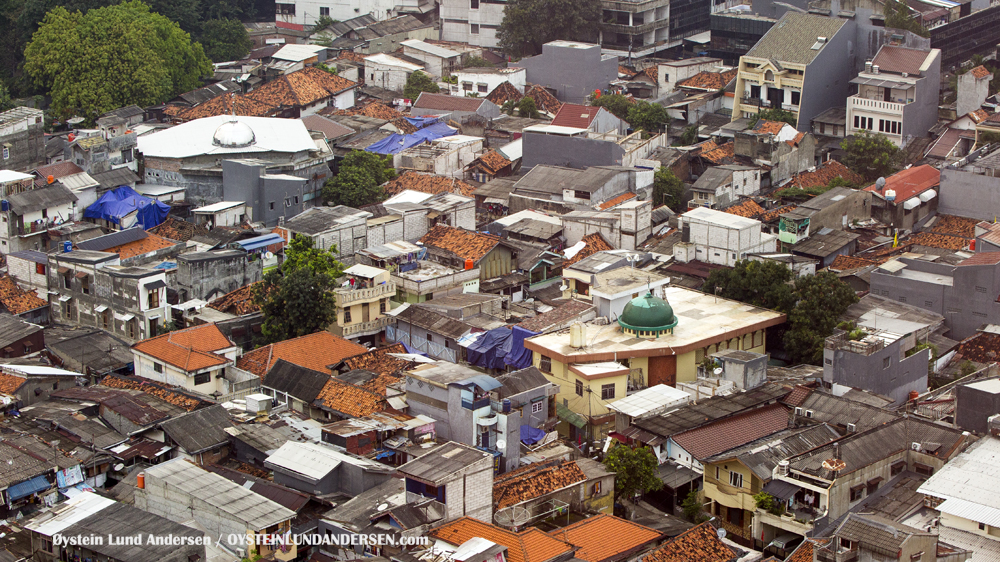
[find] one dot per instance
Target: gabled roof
(558, 316)
(897, 60)
(465, 244)
(348, 399)
(330, 129)
(701, 544)
(792, 38)
(716, 153)
(910, 182)
(983, 347)
(442, 102)
(708, 80)
(979, 72)
(379, 361)
(824, 175)
(314, 351)
(301, 88)
(593, 243)
(544, 101)
(190, 349)
(491, 161)
(238, 302)
(748, 209)
(179, 399)
(199, 430)
(981, 258)
(52, 195)
(17, 300)
(141, 247)
(575, 115)
(530, 545)
(296, 381)
(606, 537)
(532, 482)
(725, 434)
(427, 183)
(616, 201)
(876, 534)
(224, 105)
(503, 93)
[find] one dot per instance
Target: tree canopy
(617, 104)
(773, 114)
(527, 108)
(419, 82)
(359, 181)
(297, 299)
(872, 155)
(635, 470)
(112, 57)
(529, 24)
(763, 283)
(647, 116)
(225, 40)
(668, 190)
(898, 16)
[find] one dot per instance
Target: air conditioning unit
(809, 413)
(240, 553)
(798, 411)
(851, 428)
(915, 446)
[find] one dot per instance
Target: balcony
(362, 328)
(346, 297)
(800, 523)
(483, 402)
(893, 108)
(37, 227)
(638, 29)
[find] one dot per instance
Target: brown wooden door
(663, 370)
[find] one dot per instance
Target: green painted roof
(647, 312)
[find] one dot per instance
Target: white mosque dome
(234, 134)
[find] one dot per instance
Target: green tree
(419, 82)
(635, 471)
(508, 107)
(529, 24)
(647, 116)
(688, 137)
(359, 181)
(526, 108)
(323, 22)
(765, 284)
(898, 16)
(477, 62)
(225, 40)
(822, 299)
(186, 13)
(5, 101)
(773, 114)
(112, 57)
(691, 506)
(297, 299)
(617, 104)
(872, 155)
(668, 190)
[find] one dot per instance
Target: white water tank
(576, 335)
(890, 195)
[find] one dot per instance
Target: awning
(928, 195)
(780, 489)
(911, 203)
(64, 298)
(80, 275)
(674, 475)
(100, 308)
(158, 284)
(25, 489)
(125, 317)
(570, 417)
(484, 382)
(880, 83)
(497, 200)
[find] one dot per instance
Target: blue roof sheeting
(397, 143)
(28, 487)
(484, 382)
(259, 242)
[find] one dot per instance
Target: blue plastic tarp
(489, 350)
(519, 357)
(119, 202)
(421, 122)
(414, 351)
(25, 489)
(531, 435)
(397, 143)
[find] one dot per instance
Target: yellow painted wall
(687, 366)
(723, 493)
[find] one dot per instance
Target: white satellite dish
(268, 255)
(718, 370)
(721, 532)
(119, 466)
(564, 287)
(382, 506)
(501, 444)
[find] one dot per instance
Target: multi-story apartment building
(22, 138)
(361, 306)
(897, 94)
(802, 65)
(471, 21)
(28, 212)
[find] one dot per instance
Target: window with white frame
(736, 479)
(538, 406)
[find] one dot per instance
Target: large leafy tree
(225, 40)
(360, 180)
(668, 190)
(297, 299)
(764, 284)
(872, 155)
(647, 116)
(617, 104)
(112, 57)
(635, 471)
(419, 82)
(822, 298)
(899, 16)
(773, 114)
(529, 24)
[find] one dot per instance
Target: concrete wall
(26, 138)
(967, 194)
(270, 196)
(347, 478)
(826, 82)
(385, 76)
(573, 72)
(27, 276)
(347, 239)
(207, 279)
(922, 114)
(569, 152)
(468, 493)
(869, 372)
(973, 407)
(457, 19)
(430, 400)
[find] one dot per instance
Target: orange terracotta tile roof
(351, 56)
(147, 245)
(980, 72)
(798, 395)
(727, 433)
(847, 263)
(223, 105)
(190, 349)
(375, 109)
(981, 258)
(465, 244)
(824, 175)
(708, 80)
(979, 115)
(491, 162)
(177, 229)
(798, 138)
(719, 154)
(605, 537)
(427, 183)
(804, 553)
(701, 544)
(503, 93)
(616, 201)
(593, 243)
(650, 72)
(379, 361)
(764, 126)
(404, 126)
(178, 399)
(10, 383)
(349, 399)
(956, 226)
(910, 182)
(749, 209)
(983, 347)
(15, 299)
(531, 482)
(238, 302)
(301, 88)
(938, 241)
(774, 214)
(544, 101)
(628, 72)
(380, 383)
(529, 545)
(315, 351)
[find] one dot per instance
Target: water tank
(469, 264)
(914, 395)
(140, 481)
(972, 245)
(783, 468)
(51, 179)
(4, 206)
(67, 246)
(506, 405)
(575, 341)
(890, 195)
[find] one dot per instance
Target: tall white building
(306, 12)
(718, 237)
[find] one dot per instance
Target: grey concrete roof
(442, 462)
(117, 238)
(762, 455)
(321, 219)
(298, 382)
(792, 38)
(823, 244)
(41, 198)
(706, 411)
(521, 381)
(114, 178)
(875, 533)
(259, 436)
(553, 179)
(713, 178)
(13, 329)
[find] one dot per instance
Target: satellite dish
(718, 370)
(268, 255)
(119, 467)
(879, 184)
(721, 532)
(501, 444)
(564, 287)
(382, 506)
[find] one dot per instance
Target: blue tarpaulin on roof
(398, 143)
(519, 357)
(25, 489)
(116, 204)
(489, 350)
(414, 350)
(421, 122)
(531, 435)
(259, 242)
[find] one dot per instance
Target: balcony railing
(877, 105)
(476, 404)
(425, 286)
(29, 228)
(348, 296)
(363, 328)
(867, 346)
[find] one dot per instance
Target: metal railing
(348, 296)
(363, 328)
(880, 105)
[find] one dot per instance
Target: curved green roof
(647, 313)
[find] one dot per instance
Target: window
(132, 328)
(473, 4)
(66, 281)
(607, 392)
(537, 406)
(474, 29)
(105, 319)
(736, 479)
(154, 298)
(886, 362)
(483, 88)
(923, 469)
(822, 128)
(873, 485)
(285, 9)
(347, 320)
(430, 338)
(324, 11)
(85, 284)
(828, 361)
(846, 544)
(857, 492)
(46, 543)
(980, 289)
(40, 268)
(6, 153)
(27, 349)
(928, 303)
(296, 199)
(158, 367)
(579, 388)
(381, 306)
(796, 97)
(203, 378)
(897, 467)
(467, 86)
(716, 473)
(68, 309)
(545, 364)
(982, 526)
(597, 488)
(734, 516)
(270, 205)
